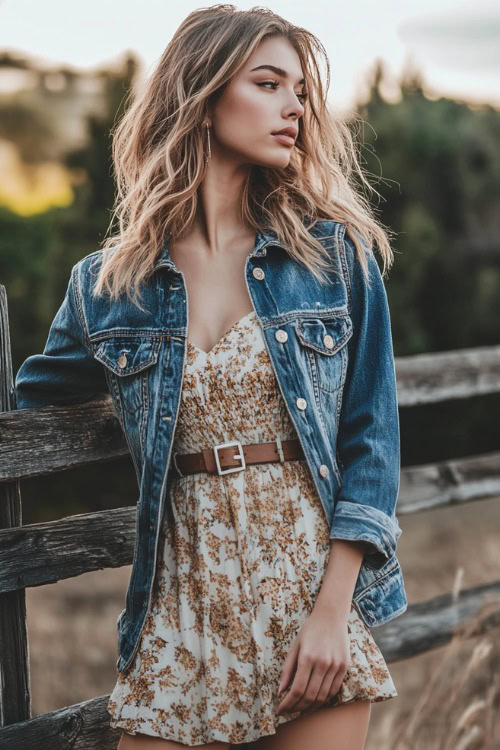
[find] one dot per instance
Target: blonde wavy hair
(158, 151)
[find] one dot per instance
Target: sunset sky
(456, 45)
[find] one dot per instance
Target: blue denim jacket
(342, 399)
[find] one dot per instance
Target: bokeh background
(424, 78)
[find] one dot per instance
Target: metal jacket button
(281, 335)
(328, 341)
(258, 273)
(122, 361)
(323, 470)
(301, 403)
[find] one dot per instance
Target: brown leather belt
(227, 458)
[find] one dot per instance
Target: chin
(278, 161)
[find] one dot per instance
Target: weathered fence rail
(35, 442)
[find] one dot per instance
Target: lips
(290, 132)
(285, 139)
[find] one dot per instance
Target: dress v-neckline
(230, 330)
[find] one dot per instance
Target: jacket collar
(262, 241)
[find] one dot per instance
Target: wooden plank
(83, 726)
(34, 442)
(42, 553)
(450, 482)
(432, 623)
(15, 695)
(438, 376)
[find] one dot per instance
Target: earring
(209, 154)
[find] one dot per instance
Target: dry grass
(456, 707)
(448, 698)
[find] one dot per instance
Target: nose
(295, 109)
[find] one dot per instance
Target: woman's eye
(268, 83)
(275, 84)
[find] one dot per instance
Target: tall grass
(458, 706)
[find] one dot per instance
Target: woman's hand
(317, 662)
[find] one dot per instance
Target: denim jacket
(335, 370)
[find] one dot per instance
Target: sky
(454, 44)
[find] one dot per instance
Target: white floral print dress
(240, 561)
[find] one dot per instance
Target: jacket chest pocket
(130, 361)
(324, 342)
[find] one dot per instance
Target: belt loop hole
(280, 448)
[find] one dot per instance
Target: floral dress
(240, 562)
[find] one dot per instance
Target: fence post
(15, 694)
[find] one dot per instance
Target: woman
(265, 433)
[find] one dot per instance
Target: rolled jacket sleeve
(66, 372)
(368, 440)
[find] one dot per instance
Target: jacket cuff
(358, 522)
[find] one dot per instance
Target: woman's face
(257, 103)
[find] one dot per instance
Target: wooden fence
(41, 553)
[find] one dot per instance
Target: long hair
(159, 149)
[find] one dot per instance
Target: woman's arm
(368, 441)
(66, 372)
(337, 587)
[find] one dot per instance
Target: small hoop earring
(209, 154)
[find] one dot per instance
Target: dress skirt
(241, 558)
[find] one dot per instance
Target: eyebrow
(278, 71)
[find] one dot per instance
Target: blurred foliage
(436, 166)
(38, 252)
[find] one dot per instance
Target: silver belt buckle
(238, 455)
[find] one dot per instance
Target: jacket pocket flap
(128, 356)
(325, 336)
